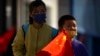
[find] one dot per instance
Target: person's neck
(37, 25)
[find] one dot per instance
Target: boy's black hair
(33, 5)
(64, 18)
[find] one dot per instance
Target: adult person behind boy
(38, 34)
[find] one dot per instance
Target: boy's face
(71, 27)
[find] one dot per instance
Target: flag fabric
(5, 39)
(60, 46)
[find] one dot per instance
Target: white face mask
(72, 33)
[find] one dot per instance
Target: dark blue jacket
(79, 48)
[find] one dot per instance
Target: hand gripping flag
(60, 46)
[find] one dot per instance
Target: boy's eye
(70, 26)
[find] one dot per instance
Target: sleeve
(18, 44)
(83, 50)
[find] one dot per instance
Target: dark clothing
(79, 48)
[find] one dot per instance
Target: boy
(69, 24)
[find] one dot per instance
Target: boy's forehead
(70, 21)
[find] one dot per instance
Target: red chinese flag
(60, 46)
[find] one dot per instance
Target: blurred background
(14, 13)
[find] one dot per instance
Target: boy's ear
(62, 29)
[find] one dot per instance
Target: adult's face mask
(39, 18)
